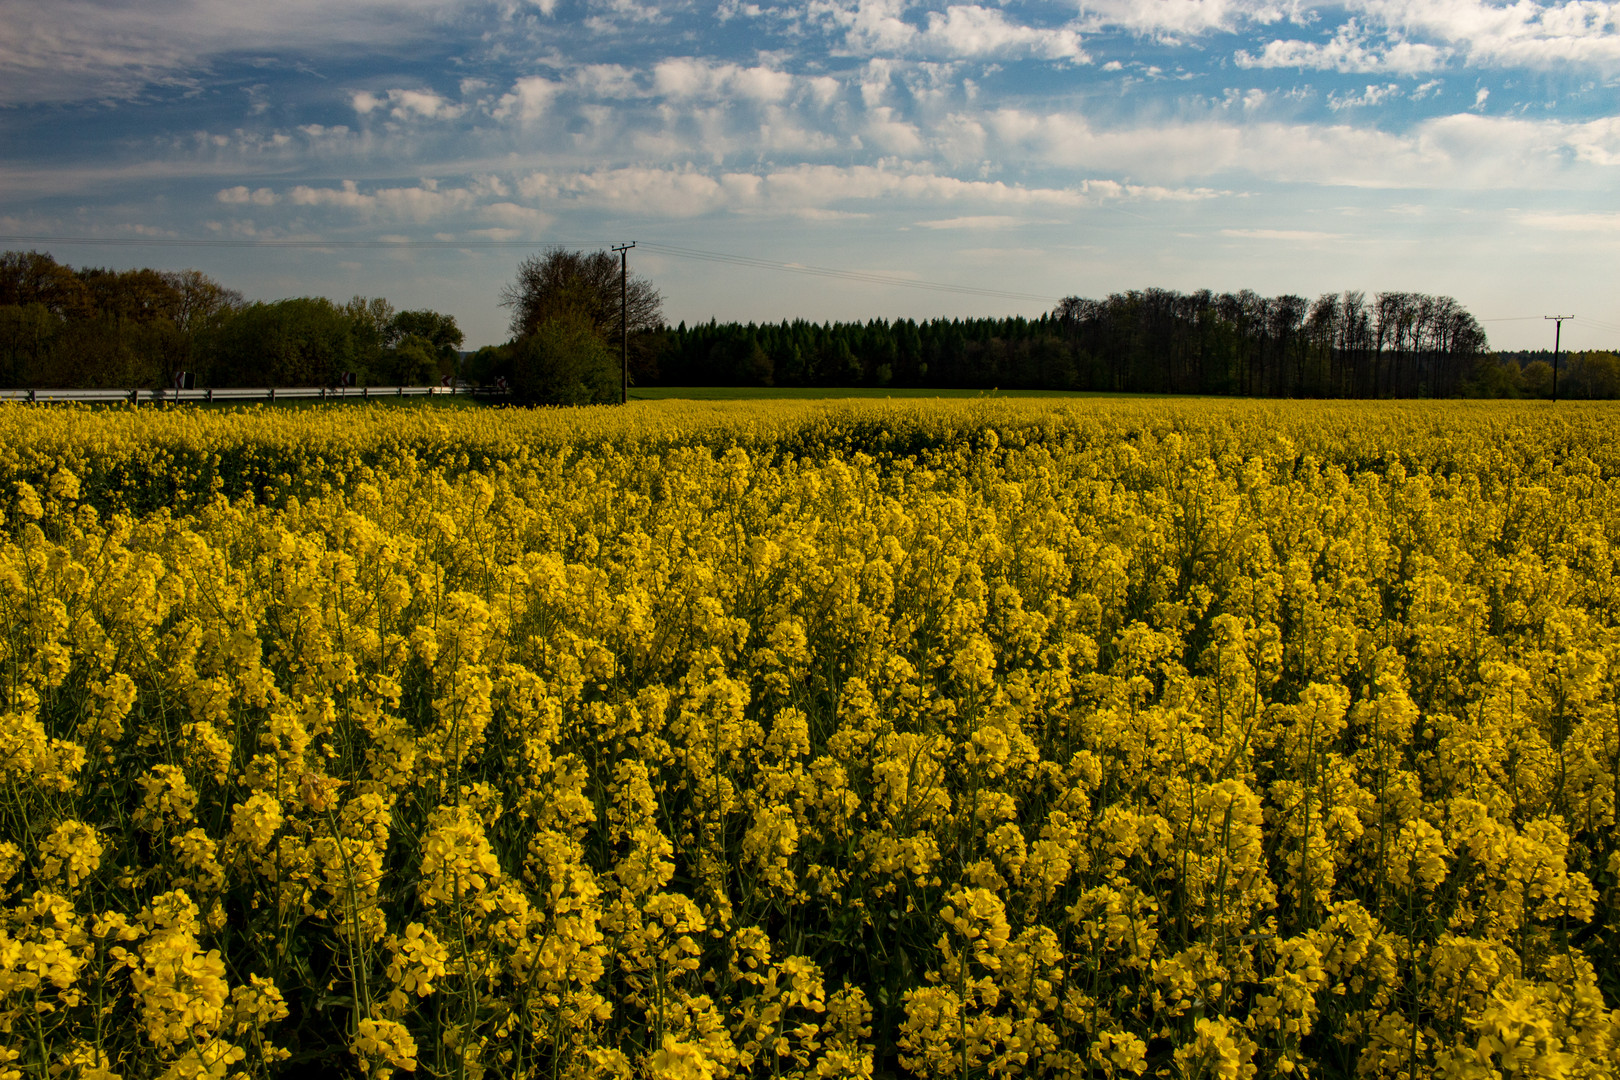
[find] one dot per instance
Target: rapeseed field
(962, 739)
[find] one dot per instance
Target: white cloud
(688, 192)
(424, 104)
(348, 195)
(1002, 255)
(834, 183)
(979, 221)
(86, 50)
(1348, 51)
(607, 15)
(875, 81)
(869, 25)
(1175, 150)
(1413, 58)
(1511, 152)
(1176, 20)
(970, 30)
(320, 132)
(1247, 100)
(1461, 150)
(241, 195)
(824, 89)
(1522, 32)
(407, 105)
(760, 84)
(730, 9)
(423, 203)
(1397, 37)
(780, 132)
(1370, 96)
(891, 134)
(963, 30)
(638, 190)
(686, 77)
(135, 228)
(822, 214)
(1290, 235)
(1606, 222)
(613, 81)
(528, 100)
(1596, 142)
(513, 214)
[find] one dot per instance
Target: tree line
(92, 327)
(1590, 373)
(1396, 344)
(566, 333)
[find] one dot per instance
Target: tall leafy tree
(564, 362)
(569, 310)
(582, 285)
(34, 277)
(437, 333)
(304, 341)
(97, 327)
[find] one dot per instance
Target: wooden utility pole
(624, 318)
(1558, 329)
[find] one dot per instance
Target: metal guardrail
(232, 394)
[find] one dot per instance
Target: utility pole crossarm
(1558, 331)
(624, 319)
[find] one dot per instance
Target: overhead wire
(865, 276)
(1573, 320)
(157, 241)
(677, 251)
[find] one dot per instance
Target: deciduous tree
(560, 282)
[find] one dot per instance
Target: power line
(863, 276)
(1558, 328)
(624, 317)
(154, 241)
(846, 275)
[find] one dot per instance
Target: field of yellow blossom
(1041, 738)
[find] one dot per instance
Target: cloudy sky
(1017, 151)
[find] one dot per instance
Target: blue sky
(1030, 150)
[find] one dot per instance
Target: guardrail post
(134, 397)
(31, 398)
(210, 395)
(401, 391)
(365, 391)
(272, 395)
